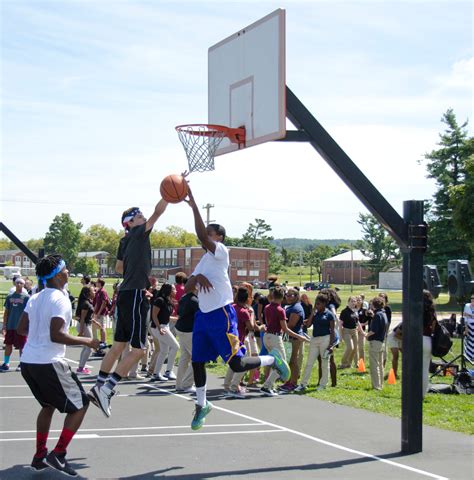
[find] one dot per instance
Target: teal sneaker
(200, 415)
(280, 365)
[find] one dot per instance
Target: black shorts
(55, 385)
(132, 310)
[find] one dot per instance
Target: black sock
(101, 378)
(112, 381)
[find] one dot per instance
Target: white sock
(267, 360)
(201, 395)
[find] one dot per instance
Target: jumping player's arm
(59, 336)
(159, 210)
(199, 226)
(23, 325)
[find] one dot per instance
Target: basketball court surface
(292, 436)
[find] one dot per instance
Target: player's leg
(202, 351)
(8, 351)
(58, 387)
(131, 327)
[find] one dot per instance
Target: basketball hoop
(200, 142)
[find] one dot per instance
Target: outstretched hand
(190, 200)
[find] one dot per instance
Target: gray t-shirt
(135, 252)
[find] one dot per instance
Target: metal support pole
(18, 243)
(412, 358)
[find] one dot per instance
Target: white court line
(144, 428)
(99, 437)
(31, 397)
(316, 439)
(77, 363)
(14, 386)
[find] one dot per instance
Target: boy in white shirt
(215, 325)
(46, 320)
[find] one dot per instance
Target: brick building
(16, 258)
(246, 264)
(346, 266)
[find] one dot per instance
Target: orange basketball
(174, 188)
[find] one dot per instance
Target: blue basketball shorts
(215, 334)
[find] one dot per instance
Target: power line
(231, 207)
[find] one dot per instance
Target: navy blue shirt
(298, 309)
(379, 326)
(321, 322)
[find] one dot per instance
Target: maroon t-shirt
(101, 297)
(274, 314)
(243, 316)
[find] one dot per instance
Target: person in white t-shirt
(215, 325)
(46, 320)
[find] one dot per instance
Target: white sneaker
(300, 388)
(102, 397)
(235, 394)
(136, 377)
(191, 389)
(170, 375)
(157, 377)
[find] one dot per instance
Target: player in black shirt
(134, 262)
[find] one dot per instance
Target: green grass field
(450, 412)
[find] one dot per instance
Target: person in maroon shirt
(180, 281)
(275, 317)
(101, 310)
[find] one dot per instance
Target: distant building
(391, 279)
(346, 266)
(101, 258)
(15, 258)
(246, 264)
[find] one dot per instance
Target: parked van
(10, 272)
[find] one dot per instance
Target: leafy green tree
(462, 202)
(86, 266)
(447, 166)
(63, 237)
(5, 244)
(256, 234)
(173, 236)
(378, 245)
(34, 244)
(99, 238)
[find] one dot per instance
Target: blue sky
(92, 90)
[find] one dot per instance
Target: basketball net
(200, 142)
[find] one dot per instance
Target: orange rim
(235, 135)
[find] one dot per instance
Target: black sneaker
(59, 462)
(39, 463)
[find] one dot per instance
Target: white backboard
(246, 82)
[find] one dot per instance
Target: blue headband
(60, 266)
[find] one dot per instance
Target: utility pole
(208, 215)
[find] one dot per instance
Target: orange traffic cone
(361, 366)
(391, 377)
